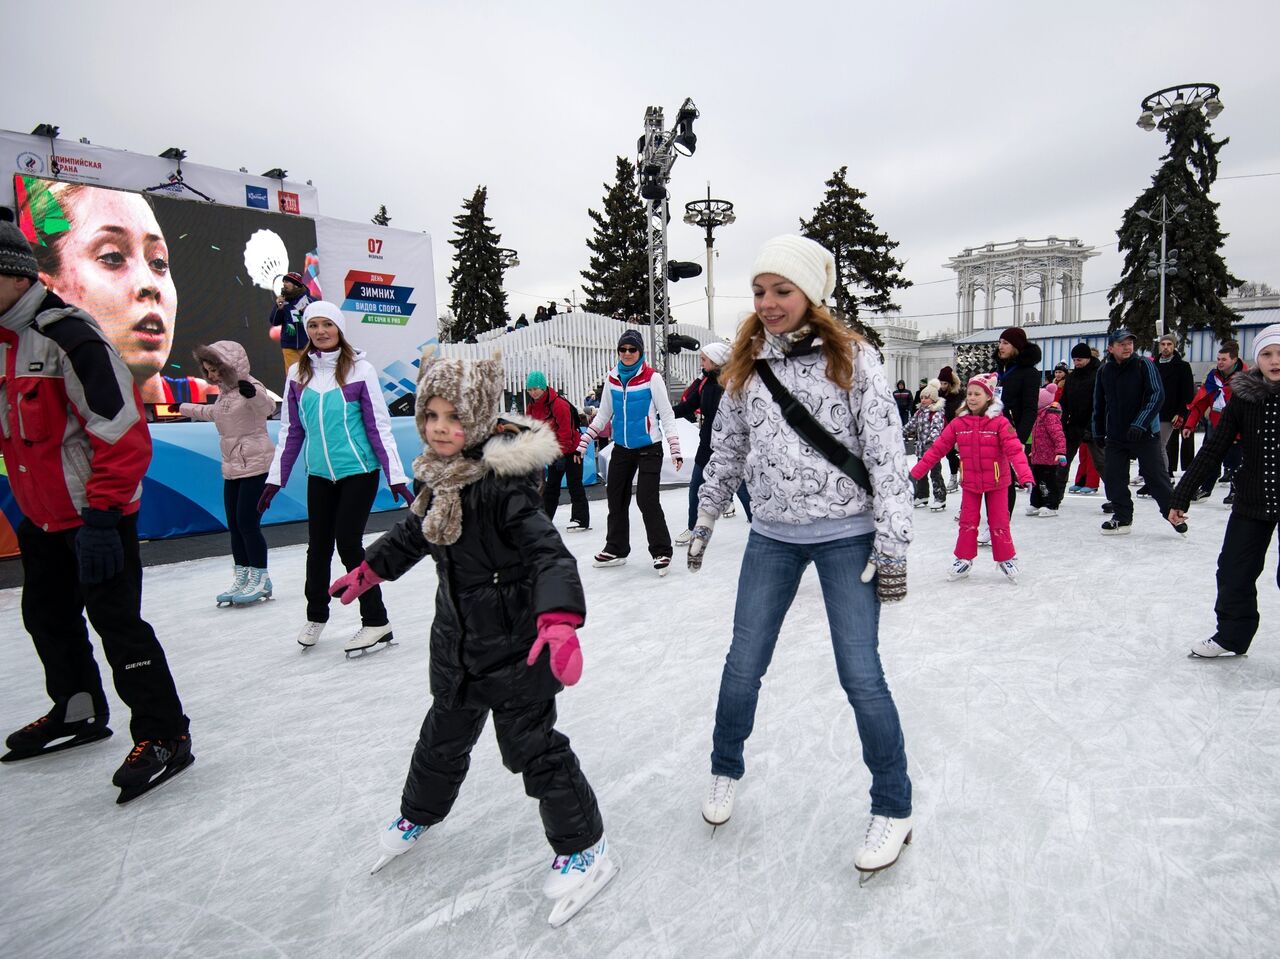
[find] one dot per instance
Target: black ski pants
(624, 466)
(1244, 552)
(1115, 477)
(1050, 484)
(244, 522)
(530, 745)
(934, 476)
(54, 604)
(336, 513)
(566, 467)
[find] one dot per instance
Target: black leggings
(240, 500)
(337, 512)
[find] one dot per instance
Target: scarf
(628, 370)
(786, 343)
(440, 501)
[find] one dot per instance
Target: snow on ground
(1082, 788)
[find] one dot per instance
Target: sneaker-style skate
(1032, 511)
(603, 559)
(1108, 508)
(396, 840)
(576, 527)
(1209, 649)
(882, 845)
(367, 637)
(1048, 511)
(47, 735)
(1200, 494)
(662, 564)
(960, 569)
(257, 587)
(683, 538)
(1010, 569)
(718, 806)
(150, 763)
(1230, 498)
(1075, 488)
(1114, 527)
(310, 634)
(577, 879)
(237, 584)
(1089, 490)
(1144, 491)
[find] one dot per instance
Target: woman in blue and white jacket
(334, 414)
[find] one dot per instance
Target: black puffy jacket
(1077, 398)
(1020, 390)
(508, 566)
(704, 395)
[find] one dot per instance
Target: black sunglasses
(628, 349)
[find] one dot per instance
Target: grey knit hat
(16, 258)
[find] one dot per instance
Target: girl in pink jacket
(989, 456)
(240, 414)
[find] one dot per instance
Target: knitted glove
(1137, 434)
(402, 491)
(268, 494)
(890, 574)
(559, 631)
(360, 580)
(247, 389)
(698, 542)
(98, 548)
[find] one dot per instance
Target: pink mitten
(360, 580)
(558, 630)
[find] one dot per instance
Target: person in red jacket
(76, 447)
(549, 406)
(990, 453)
(1212, 398)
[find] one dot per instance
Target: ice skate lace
(138, 749)
(35, 725)
(877, 832)
(721, 790)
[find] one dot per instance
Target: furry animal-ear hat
(473, 386)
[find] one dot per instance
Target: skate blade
(17, 756)
(130, 793)
(381, 644)
(382, 861)
(574, 902)
(252, 602)
(1207, 659)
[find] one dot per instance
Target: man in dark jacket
(1179, 387)
(76, 447)
(1126, 411)
(1077, 406)
(553, 409)
(287, 314)
(1018, 387)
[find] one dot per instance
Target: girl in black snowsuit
(507, 588)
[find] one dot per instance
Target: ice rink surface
(1082, 788)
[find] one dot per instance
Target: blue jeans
(695, 484)
(770, 576)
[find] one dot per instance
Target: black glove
(247, 389)
(98, 547)
(1137, 434)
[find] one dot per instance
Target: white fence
(575, 351)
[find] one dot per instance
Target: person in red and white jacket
(550, 407)
(1211, 399)
(76, 447)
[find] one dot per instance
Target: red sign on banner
(289, 203)
(360, 276)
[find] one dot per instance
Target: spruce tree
(381, 218)
(866, 271)
(478, 302)
(1193, 296)
(618, 273)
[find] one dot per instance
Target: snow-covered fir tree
(478, 302)
(618, 271)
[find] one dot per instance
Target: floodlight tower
(657, 150)
(709, 214)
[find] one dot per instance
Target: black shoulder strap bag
(811, 431)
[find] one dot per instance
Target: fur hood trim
(228, 358)
(524, 446)
(1252, 388)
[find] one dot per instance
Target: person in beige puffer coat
(240, 414)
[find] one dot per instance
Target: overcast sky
(964, 123)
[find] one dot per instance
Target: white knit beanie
(717, 352)
(807, 264)
(1270, 336)
(329, 311)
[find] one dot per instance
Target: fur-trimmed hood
(523, 446)
(1252, 387)
(228, 358)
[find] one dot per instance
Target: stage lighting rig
(276, 173)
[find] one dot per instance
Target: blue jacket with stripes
(1127, 394)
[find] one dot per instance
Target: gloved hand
(1137, 434)
(98, 548)
(174, 409)
(1062, 460)
(247, 389)
(268, 494)
(402, 491)
(558, 630)
(699, 540)
(890, 574)
(349, 587)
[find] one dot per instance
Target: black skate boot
(54, 732)
(150, 763)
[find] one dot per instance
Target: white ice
(1082, 788)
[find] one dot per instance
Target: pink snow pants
(997, 520)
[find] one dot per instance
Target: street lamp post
(1167, 265)
(709, 214)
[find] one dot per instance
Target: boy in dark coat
(507, 589)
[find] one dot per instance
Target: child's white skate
(959, 569)
(396, 840)
(577, 879)
(367, 638)
(1010, 568)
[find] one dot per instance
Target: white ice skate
(1010, 569)
(576, 527)
(603, 559)
(310, 634)
(718, 806)
(367, 637)
(882, 845)
(984, 535)
(396, 840)
(237, 584)
(1209, 649)
(1032, 511)
(937, 507)
(256, 587)
(577, 879)
(960, 569)
(1048, 511)
(953, 485)
(921, 501)
(683, 538)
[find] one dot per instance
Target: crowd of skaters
(487, 526)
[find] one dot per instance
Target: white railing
(575, 351)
